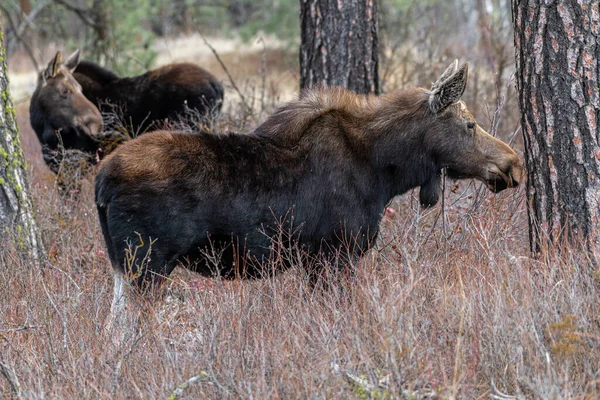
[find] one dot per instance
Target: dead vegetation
(449, 305)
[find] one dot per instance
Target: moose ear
(450, 90)
(73, 60)
(449, 71)
(53, 67)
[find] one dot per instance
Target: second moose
(64, 107)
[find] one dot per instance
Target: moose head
(459, 144)
(60, 113)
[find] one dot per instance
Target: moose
(161, 94)
(325, 165)
(64, 109)
(60, 115)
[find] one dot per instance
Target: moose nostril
(93, 124)
(515, 175)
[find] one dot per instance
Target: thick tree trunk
(339, 44)
(557, 45)
(16, 216)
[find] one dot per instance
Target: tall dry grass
(448, 305)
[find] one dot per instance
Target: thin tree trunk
(339, 44)
(25, 6)
(16, 215)
(557, 45)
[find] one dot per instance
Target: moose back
(64, 107)
(317, 175)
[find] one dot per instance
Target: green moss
(12, 160)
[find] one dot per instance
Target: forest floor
(450, 304)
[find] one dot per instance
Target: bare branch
(28, 20)
(11, 377)
(177, 393)
(19, 329)
(86, 14)
(19, 38)
(248, 108)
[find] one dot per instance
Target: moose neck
(101, 85)
(36, 114)
(401, 152)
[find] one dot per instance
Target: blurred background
(258, 42)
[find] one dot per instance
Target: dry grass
(449, 305)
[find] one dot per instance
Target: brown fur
(328, 163)
(154, 156)
(361, 114)
(61, 116)
(182, 74)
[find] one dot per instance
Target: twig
(12, 379)
(263, 74)
(498, 395)
(248, 109)
(177, 393)
(50, 265)
(19, 38)
(361, 382)
(19, 329)
(62, 317)
(83, 13)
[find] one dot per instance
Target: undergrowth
(450, 304)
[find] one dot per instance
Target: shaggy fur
(317, 174)
(158, 95)
(64, 109)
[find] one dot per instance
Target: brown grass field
(449, 305)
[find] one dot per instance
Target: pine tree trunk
(557, 46)
(16, 215)
(339, 44)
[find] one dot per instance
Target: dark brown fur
(322, 169)
(61, 116)
(163, 94)
(72, 121)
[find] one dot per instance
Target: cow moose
(64, 109)
(60, 115)
(328, 162)
(162, 94)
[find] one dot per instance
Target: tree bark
(339, 44)
(557, 45)
(16, 215)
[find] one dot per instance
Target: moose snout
(515, 174)
(514, 170)
(505, 176)
(92, 123)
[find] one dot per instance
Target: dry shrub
(447, 303)
(450, 304)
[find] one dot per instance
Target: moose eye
(65, 91)
(471, 125)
